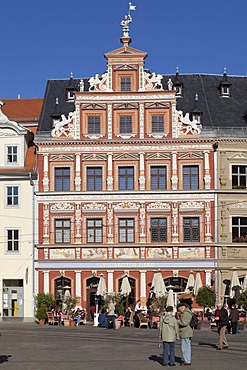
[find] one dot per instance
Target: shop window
(191, 229)
(126, 230)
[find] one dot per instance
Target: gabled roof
(22, 110)
(125, 51)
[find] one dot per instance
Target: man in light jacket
(169, 333)
(186, 333)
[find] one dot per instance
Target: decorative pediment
(125, 67)
(190, 155)
(94, 157)
(125, 157)
(157, 105)
(238, 156)
(125, 51)
(126, 105)
(62, 157)
(158, 156)
(7, 127)
(8, 132)
(93, 106)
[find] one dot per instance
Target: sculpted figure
(152, 81)
(98, 82)
(59, 125)
(190, 126)
(125, 24)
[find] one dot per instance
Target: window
(196, 116)
(179, 89)
(126, 178)
(157, 123)
(158, 177)
(94, 230)
(12, 154)
(93, 124)
(191, 229)
(239, 175)
(225, 90)
(158, 230)
(13, 240)
(125, 84)
(191, 177)
(62, 231)
(126, 230)
(62, 179)
(125, 124)
(239, 228)
(12, 195)
(94, 178)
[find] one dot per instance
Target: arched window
(61, 285)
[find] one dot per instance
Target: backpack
(193, 321)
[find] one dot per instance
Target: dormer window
(225, 86)
(179, 89)
(178, 85)
(225, 90)
(196, 116)
(125, 84)
(71, 95)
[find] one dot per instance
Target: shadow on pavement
(208, 344)
(4, 358)
(159, 359)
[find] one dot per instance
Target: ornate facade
(126, 184)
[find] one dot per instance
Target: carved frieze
(191, 205)
(62, 207)
(93, 207)
(241, 205)
(126, 206)
(158, 206)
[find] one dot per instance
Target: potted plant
(69, 303)
(43, 302)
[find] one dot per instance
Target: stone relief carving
(59, 126)
(185, 125)
(126, 206)
(7, 132)
(152, 81)
(3, 118)
(191, 205)
(93, 207)
(98, 82)
(62, 207)
(159, 206)
(242, 205)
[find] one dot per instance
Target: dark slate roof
(217, 111)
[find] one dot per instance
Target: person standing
(234, 314)
(169, 332)
(223, 320)
(186, 333)
(111, 314)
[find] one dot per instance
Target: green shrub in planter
(41, 313)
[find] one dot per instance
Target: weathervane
(127, 20)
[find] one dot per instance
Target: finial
(57, 102)
(177, 70)
(196, 97)
(71, 75)
(224, 70)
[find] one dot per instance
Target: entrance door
(92, 285)
(13, 298)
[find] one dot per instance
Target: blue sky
(48, 39)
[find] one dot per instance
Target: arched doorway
(131, 298)
(61, 285)
(92, 285)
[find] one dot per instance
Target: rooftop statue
(127, 20)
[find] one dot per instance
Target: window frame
(237, 227)
(191, 177)
(94, 177)
(159, 228)
(13, 240)
(238, 176)
(62, 177)
(159, 176)
(63, 230)
(128, 238)
(96, 126)
(191, 228)
(125, 86)
(158, 130)
(126, 178)
(12, 162)
(125, 124)
(12, 196)
(94, 230)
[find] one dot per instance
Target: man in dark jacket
(223, 320)
(234, 319)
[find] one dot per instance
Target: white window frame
(6, 196)
(6, 155)
(19, 240)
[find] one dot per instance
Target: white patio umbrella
(125, 289)
(101, 290)
(159, 287)
(244, 285)
(198, 283)
(234, 283)
(170, 298)
(190, 283)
